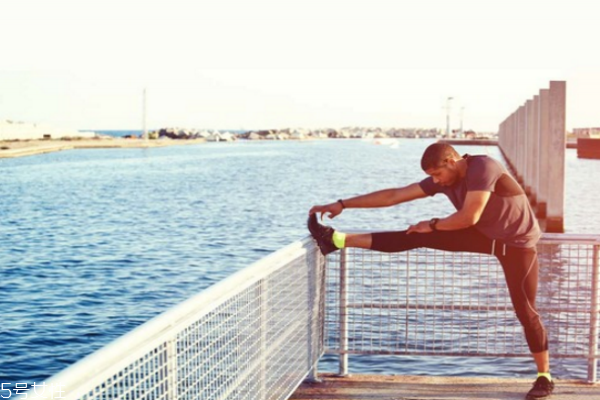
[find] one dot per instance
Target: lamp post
(145, 132)
(448, 117)
(462, 132)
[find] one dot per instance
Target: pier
(533, 141)
(380, 387)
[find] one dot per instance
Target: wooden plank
(380, 387)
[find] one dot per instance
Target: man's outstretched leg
(330, 240)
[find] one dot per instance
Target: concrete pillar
(503, 140)
(528, 173)
(511, 139)
(501, 136)
(514, 138)
(544, 159)
(517, 149)
(535, 154)
(520, 167)
(556, 168)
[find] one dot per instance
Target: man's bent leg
(542, 361)
(521, 272)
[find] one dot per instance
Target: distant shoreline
(13, 149)
(23, 148)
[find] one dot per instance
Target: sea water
(96, 242)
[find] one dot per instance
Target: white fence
(259, 333)
(255, 335)
(434, 303)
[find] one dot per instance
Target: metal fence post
(263, 293)
(343, 314)
(594, 320)
(315, 292)
(172, 368)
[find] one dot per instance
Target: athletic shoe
(542, 389)
(322, 234)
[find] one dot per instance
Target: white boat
(392, 142)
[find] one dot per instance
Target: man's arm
(467, 216)
(386, 198)
(381, 198)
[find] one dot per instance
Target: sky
(263, 64)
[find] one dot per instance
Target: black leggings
(520, 267)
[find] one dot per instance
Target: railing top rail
(569, 238)
(548, 238)
(101, 364)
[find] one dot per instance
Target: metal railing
(255, 335)
(259, 333)
(435, 303)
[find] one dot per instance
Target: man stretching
(493, 217)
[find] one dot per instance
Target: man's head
(440, 162)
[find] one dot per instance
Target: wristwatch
(432, 223)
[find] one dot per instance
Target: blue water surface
(96, 242)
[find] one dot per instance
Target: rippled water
(96, 242)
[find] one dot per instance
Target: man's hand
(332, 210)
(421, 227)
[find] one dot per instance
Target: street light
(462, 132)
(144, 131)
(448, 117)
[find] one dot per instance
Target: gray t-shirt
(507, 216)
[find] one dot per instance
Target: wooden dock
(382, 387)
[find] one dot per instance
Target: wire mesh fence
(259, 333)
(255, 335)
(429, 302)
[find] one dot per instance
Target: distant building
(470, 134)
(12, 130)
(586, 132)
